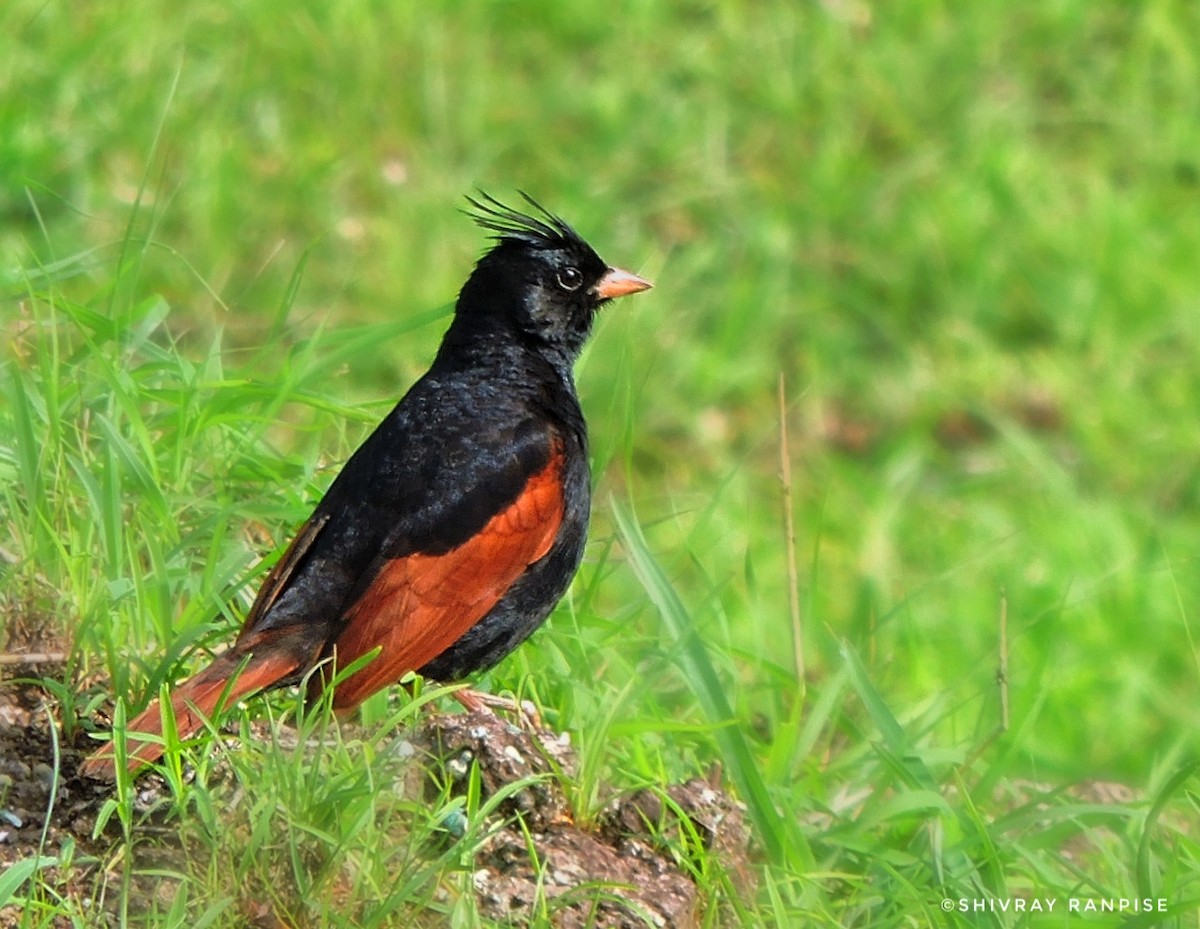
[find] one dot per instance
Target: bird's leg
(477, 701)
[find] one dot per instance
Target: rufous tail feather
(194, 701)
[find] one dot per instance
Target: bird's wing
(277, 579)
(419, 603)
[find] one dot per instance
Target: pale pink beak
(618, 283)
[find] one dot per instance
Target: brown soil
(45, 806)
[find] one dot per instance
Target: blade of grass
(18, 873)
(894, 738)
(706, 685)
(1147, 885)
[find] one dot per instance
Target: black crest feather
(546, 231)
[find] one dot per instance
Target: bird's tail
(232, 676)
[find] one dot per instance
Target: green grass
(967, 238)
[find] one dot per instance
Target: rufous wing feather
(419, 605)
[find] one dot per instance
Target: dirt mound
(47, 809)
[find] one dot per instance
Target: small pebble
(456, 823)
(510, 751)
(461, 766)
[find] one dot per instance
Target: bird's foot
(478, 701)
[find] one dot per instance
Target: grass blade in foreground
(18, 873)
(707, 686)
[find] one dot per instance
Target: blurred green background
(965, 235)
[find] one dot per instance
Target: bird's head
(540, 278)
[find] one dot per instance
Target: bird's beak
(618, 283)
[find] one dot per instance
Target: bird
(451, 533)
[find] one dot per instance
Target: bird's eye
(569, 279)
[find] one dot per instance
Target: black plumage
(451, 533)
